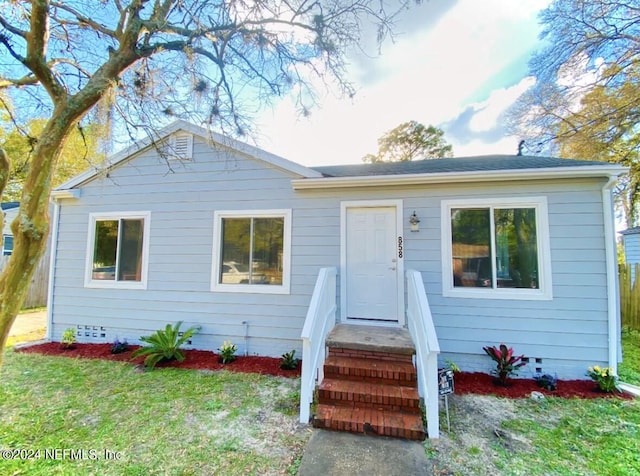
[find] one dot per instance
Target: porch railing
(423, 332)
(321, 317)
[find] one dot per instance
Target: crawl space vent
(91, 333)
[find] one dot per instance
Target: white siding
(568, 332)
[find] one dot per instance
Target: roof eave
(458, 177)
(65, 194)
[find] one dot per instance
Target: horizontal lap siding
(568, 332)
(182, 206)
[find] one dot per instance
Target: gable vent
(181, 147)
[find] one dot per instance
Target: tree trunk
(31, 227)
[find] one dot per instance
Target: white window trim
(544, 293)
(93, 217)
(285, 287)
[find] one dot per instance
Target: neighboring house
(218, 233)
(631, 244)
(10, 210)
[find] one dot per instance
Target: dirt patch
(194, 359)
(476, 435)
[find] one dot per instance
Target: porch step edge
(370, 422)
(392, 340)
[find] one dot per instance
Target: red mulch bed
(482, 384)
(194, 359)
(465, 382)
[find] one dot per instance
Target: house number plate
(400, 249)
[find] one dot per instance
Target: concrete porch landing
(371, 338)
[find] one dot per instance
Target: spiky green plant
(289, 361)
(164, 345)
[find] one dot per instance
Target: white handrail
(321, 317)
(423, 332)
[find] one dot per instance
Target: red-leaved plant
(506, 363)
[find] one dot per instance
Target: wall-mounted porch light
(414, 220)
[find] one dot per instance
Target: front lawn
(167, 421)
(629, 370)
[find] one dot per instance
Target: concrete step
(370, 370)
(370, 421)
(369, 395)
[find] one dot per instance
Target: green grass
(167, 421)
(568, 437)
(629, 370)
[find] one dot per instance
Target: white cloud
(489, 111)
(428, 76)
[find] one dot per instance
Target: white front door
(371, 263)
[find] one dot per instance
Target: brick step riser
(360, 375)
(371, 406)
(368, 401)
(368, 354)
(375, 424)
(385, 431)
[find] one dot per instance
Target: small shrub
(451, 365)
(605, 378)
(227, 352)
(118, 347)
(165, 345)
(289, 362)
(547, 381)
(68, 340)
(506, 363)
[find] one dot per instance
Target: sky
(457, 65)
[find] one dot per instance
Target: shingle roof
(631, 231)
(458, 164)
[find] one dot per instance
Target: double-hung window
(496, 249)
(252, 251)
(117, 250)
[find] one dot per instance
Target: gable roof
(201, 132)
(459, 169)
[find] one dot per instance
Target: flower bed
(483, 384)
(194, 359)
(465, 382)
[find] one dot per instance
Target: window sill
(116, 285)
(250, 289)
(513, 294)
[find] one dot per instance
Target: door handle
(392, 268)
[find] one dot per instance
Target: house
(197, 227)
(10, 210)
(631, 245)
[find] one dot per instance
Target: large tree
(410, 141)
(585, 103)
(142, 61)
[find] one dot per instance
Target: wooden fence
(37, 295)
(630, 296)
